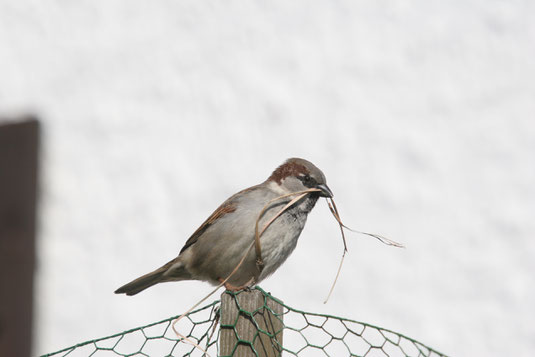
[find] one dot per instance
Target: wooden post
(250, 321)
(18, 179)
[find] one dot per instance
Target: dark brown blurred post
(18, 181)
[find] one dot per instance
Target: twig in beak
(336, 215)
(382, 239)
(334, 211)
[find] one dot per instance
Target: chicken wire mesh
(291, 332)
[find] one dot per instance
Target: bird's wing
(228, 206)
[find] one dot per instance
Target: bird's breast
(280, 239)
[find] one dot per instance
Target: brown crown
(289, 168)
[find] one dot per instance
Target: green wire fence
(253, 323)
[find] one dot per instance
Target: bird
(216, 248)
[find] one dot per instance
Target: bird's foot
(246, 287)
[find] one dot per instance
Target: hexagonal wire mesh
(304, 334)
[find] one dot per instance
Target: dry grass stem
(185, 339)
(382, 239)
(336, 215)
(334, 211)
(336, 277)
(258, 248)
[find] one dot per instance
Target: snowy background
(420, 113)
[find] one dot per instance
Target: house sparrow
(217, 247)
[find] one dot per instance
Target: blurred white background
(421, 114)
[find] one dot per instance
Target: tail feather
(172, 271)
(141, 283)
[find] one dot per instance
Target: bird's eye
(307, 180)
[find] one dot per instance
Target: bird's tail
(172, 271)
(142, 283)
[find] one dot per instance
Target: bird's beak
(325, 191)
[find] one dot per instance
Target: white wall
(421, 114)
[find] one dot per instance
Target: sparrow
(216, 248)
